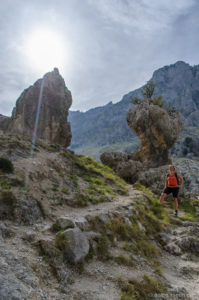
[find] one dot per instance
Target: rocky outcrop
(76, 245)
(122, 164)
(157, 130)
(132, 170)
(46, 103)
(4, 122)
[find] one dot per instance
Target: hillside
(106, 125)
(71, 229)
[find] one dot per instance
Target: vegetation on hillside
(147, 92)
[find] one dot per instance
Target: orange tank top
(172, 181)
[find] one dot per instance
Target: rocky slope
(178, 83)
(46, 105)
(71, 229)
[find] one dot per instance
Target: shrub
(142, 289)
(6, 165)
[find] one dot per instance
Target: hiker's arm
(181, 180)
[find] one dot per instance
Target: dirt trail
(104, 207)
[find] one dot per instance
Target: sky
(103, 48)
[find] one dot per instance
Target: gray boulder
(122, 164)
(65, 223)
(76, 245)
(189, 244)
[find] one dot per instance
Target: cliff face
(157, 129)
(46, 102)
(178, 83)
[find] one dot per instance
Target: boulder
(189, 244)
(76, 245)
(124, 166)
(157, 129)
(173, 249)
(28, 211)
(82, 223)
(46, 102)
(65, 223)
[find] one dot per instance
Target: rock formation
(157, 129)
(55, 100)
(179, 83)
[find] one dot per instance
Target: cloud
(113, 46)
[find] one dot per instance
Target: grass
(189, 207)
(55, 187)
(124, 260)
(60, 241)
(74, 179)
(65, 190)
(90, 165)
(55, 228)
(81, 200)
(144, 289)
(103, 248)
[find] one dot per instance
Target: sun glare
(45, 50)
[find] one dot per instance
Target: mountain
(177, 83)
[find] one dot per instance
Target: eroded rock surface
(55, 100)
(157, 130)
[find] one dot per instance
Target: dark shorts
(174, 191)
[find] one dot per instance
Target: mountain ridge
(178, 83)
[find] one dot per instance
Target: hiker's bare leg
(162, 198)
(175, 203)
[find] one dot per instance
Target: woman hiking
(173, 182)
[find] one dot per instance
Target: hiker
(173, 183)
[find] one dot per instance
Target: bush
(6, 165)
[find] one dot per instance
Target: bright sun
(45, 50)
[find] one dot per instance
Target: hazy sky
(103, 48)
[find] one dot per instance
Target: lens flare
(45, 50)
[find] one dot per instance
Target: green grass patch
(74, 179)
(55, 227)
(124, 260)
(65, 190)
(103, 248)
(89, 165)
(81, 200)
(189, 208)
(144, 289)
(60, 241)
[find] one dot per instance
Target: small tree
(148, 89)
(147, 92)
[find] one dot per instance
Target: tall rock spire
(46, 103)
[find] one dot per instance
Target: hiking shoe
(175, 213)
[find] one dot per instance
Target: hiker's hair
(172, 166)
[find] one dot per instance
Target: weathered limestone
(157, 129)
(55, 101)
